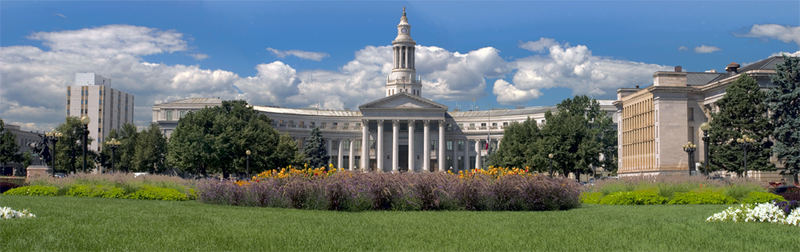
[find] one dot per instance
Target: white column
(466, 154)
(339, 155)
(426, 147)
(351, 159)
(455, 155)
(411, 167)
(395, 132)
(330, 151)
(441, 146)
(364, 146)
(379, 156)
(478, 154)
(499, 140)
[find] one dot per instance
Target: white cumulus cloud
(117, 51)
(538, 46)
(787, 34)
(706, 49)
(315, 56)
(572, 67)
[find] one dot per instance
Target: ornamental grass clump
(349, 191)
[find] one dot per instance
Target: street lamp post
(85, 121)
(113, 143)
(745, 141)
(689, 148)
(53, 137)
(550, 157)
(705, 127)
(247, 161)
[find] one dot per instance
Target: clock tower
(403, 78)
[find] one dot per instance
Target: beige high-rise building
(106, 107)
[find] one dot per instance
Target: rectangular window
(449, 145)
(690, 114)
(169, 115)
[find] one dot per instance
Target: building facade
(106, 107)
(401, 132)
(167, 114)
(656, 121)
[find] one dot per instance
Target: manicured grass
(67, 223)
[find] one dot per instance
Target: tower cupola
(403, 78)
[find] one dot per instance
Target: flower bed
(348, 191)
(783, 212)
(676, 190)
(8, 213)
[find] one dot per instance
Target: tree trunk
(796, 182)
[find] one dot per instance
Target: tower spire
(403, 78)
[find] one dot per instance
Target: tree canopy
(576, 134)
(216, 139)
(69, 148)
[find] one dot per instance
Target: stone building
(656, 121)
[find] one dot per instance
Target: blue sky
(620, 43)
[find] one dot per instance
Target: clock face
(404, 30)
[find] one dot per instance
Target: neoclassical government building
(403, 131)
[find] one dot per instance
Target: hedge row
(101, 191)
(678, 198)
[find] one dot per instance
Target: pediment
(403, 101)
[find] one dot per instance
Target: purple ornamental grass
(348, 191)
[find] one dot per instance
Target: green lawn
(66, 223)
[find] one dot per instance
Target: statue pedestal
(39, 170)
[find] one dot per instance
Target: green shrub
(34, 190)
(591, 197)
(103, 191)
(761, 197)
(633, 198)
(147, 192)
(701, 197)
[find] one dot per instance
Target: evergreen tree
(784, 105)
(151, 150)
(314, 149)
(742, 112)
(8, 146)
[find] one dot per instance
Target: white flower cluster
(8, 213)
(764, 212)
